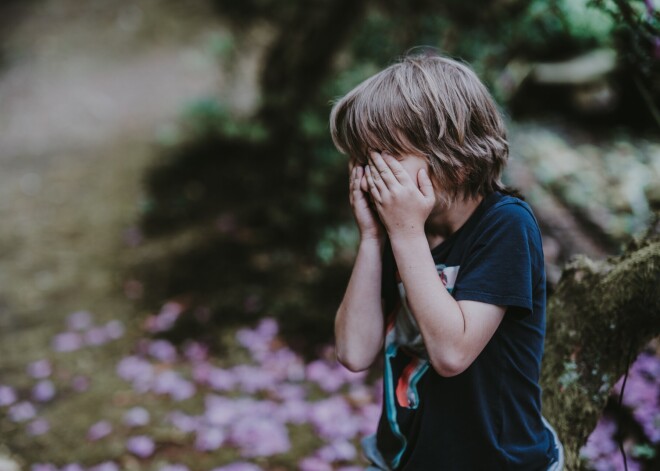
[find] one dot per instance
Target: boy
(449, 278)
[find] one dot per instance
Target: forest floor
(88, 96)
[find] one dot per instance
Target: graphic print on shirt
(403, 339)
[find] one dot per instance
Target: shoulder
(510, 213)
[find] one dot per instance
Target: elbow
(449, 365)
(354, 365)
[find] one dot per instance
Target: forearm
(438, 315)
(359, 325)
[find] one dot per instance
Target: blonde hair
(431, 106)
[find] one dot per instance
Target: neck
(445, 220)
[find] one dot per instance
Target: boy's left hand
(403, 204)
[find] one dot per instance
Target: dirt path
(75, 134)
(88, 91)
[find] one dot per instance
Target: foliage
(247, 11)
(638, 39)
(209, 116)
(277, 176)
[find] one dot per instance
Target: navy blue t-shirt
(489, 416)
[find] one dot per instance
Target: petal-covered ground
(186, 410)
(183, 401)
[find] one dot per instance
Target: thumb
(425, 184)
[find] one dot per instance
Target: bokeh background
(175, 233)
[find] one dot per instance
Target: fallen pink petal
(43, 391)
(105, 466)
(184, 422)
(209, 438)
(220, 379)
(136, 417)
(7, 396)
(40, 369)
(252, 379)
(195, 351)
(174, 467)
(67, 342)
(115, 329)
(171, 382)
(267, 328)
(259, 435)
(239, 466)
(312, 463)
(369, 416)
(80, 320)
(340, 450)
(136, 370)
(99, 430)
(96, 336)
(141, 446)
(72, 467)
(43, 467)
(183, 390)
(165, 319)
(333, 419)
(80, 383)
(162, 350)
(38, 426)
(220, 410)
(22, 412)
(294, 411)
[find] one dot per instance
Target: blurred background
(175, 233)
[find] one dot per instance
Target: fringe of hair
(431, 106)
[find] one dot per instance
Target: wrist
(406, 231)
(407, 236)
(377, 241)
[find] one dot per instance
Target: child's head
(430, 106)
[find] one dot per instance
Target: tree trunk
(600, 317)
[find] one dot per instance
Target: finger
(364, 186)
(375, 174)
(351, 179)
(425, 184)
(397, 169)
(380, 183)
(373, 189)
(356, 180)
(351, 185)
(358, 173)
(383, 169)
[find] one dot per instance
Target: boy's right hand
(366, 217)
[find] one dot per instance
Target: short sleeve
(505, 262)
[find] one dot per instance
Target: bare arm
(359, 325)
(454, 332)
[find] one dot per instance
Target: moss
(601, 315)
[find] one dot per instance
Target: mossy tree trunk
(600, 317)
